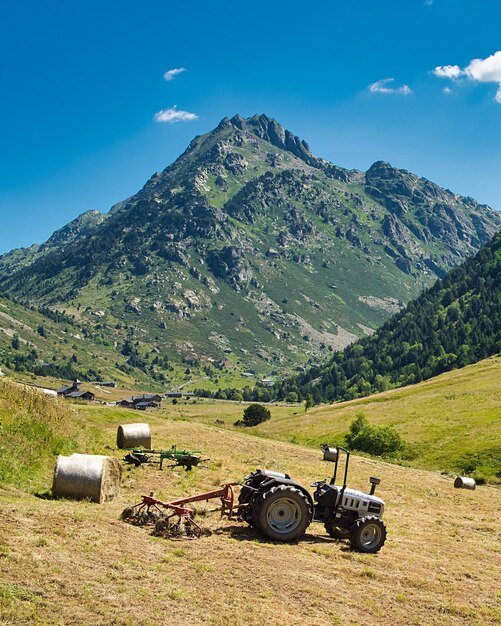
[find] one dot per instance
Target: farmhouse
(267, 382)
(148, 404)
(148, 397)
(74, 392)
(147, 400)
(75, 386)
(128, 402)
(80, 395)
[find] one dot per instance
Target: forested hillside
(453, 324)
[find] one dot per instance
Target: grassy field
(65, 562)
(450, 423)
(33, 430)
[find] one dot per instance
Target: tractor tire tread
(356, 539)
(264, 501)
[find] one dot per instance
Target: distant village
(142, 402)
(74, 391)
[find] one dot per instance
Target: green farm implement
(179, 458)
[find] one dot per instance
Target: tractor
(278, 507)
(282, 509)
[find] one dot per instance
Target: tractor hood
(355, 500)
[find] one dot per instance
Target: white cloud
(383, 86)
(478, 70)
(486, 70)
(172, 115)
(448, 71)
(447, 90)
(171, 74)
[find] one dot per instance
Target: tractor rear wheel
(368, 534)
(283, 513)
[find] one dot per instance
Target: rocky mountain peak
(379, 168)
(238, 121)
(270, 130)
(384, 171)
(223, 124)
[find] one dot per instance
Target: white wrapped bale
(86, 477)
(463, 482)
(330, 454)
(134, 436)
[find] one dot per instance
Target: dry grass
(64, 562)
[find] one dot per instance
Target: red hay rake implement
(174, 519)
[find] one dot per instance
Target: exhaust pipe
(374, 482)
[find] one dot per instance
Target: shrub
(376, 440)
(254, 414)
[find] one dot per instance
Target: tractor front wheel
(368, 534)
(283, 513)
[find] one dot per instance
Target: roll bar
(336, 463)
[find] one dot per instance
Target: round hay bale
(86, 476)
(134, 436)
(463, 482)
(330, 454)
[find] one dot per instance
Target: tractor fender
(272, 482)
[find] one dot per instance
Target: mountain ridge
(248, 224)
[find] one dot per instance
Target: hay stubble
(439, 565)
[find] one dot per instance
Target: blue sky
(82, 82)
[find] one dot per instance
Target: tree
(255, 414)
(16, 342)
(308, 403)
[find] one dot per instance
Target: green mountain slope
(250, 253)
(456, 322)
(449, 423)
(51, 344)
